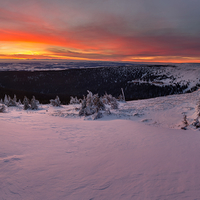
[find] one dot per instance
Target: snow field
(52, 153)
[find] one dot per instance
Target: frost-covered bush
(34, 103)
(185, 122)
(6, 100)
(55, 102)
(94, 105)
(196, 123)
(74, 100)
(26, 103)
(198, 108)
(120, 98)
(10, 102)
(91, 104)
(97, 115)
(2, 108)
(110, 100)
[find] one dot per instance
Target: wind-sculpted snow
(138, 151)
(165, 112)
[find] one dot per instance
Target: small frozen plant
(34, 103)
(74, 100)
(94, 105)
(110, 100)
(55, 102)
(185, 122)
(10, 102)
(26, 103)
(6, 99)
(19, 102)
(196, 123)
(2, 108)
(198, 108)
(91, 104)
(97, 115)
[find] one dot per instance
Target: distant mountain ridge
(138, 82)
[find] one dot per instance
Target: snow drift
(139, 151)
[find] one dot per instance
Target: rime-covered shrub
(83, 107)
(15, 98)
(2, 108)
(198, 108)
(6, 100)
(55, 102)
(114, 104)
(196, 123)
(74, 100)
(185, 122)
(97, 115)
(110, 100)
(10, 102)
(91, 104)
(34, 103)
(120, 98)
(26, 103)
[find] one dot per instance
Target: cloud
(107, 29)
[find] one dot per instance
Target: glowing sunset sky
(114, 30)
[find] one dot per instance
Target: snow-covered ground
(177, 74)
(137, 152)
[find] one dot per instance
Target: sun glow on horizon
(37, 50)
(124, 31)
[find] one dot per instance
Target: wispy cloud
(103, 30)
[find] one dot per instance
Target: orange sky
(110, 31)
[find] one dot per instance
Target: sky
(106, 30)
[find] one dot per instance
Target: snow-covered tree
(34, 103)
(9, 98)
(198, 108)
(83, 106)
(74, 100)
(55, 102)
(97, 115)
(120, 98)
(2, 108)
(110, 100)
(185, 122)
(10, 102)
(15, 98)
(196, 123)
(5, 99)
(91, 104)
(26, 103)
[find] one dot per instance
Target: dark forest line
(45, 85)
